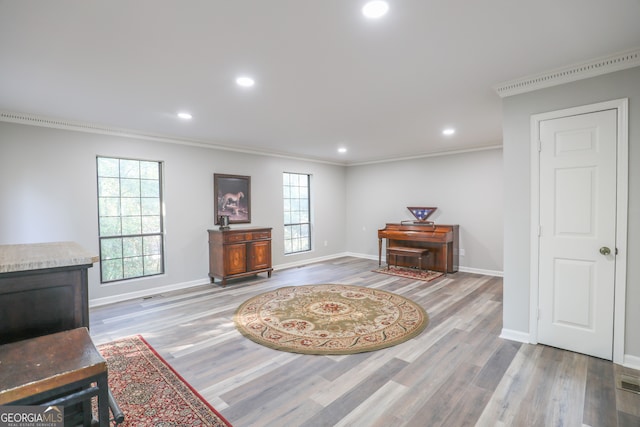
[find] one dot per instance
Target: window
(297, 226)
(130, 218)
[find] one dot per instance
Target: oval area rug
(329, 319)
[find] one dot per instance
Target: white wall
(48, 193)
(466, 188)
(517, 158)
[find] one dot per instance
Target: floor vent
(627, 383)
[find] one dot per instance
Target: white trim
(510, 334)
(304, 262)
(622, 190)
(535, 228)
(78, 126)
(631, 361)
(495, 273)
(97, 302)
(427, 155)
(484, 272)
(365, 256)
(595, 67)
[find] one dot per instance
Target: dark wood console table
(239, 252)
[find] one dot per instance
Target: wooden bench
(56, 370)
(406, 251)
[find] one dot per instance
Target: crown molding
(584, 70)
(78, 126)
(426, 155)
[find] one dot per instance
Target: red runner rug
(150, 392)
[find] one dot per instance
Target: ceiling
(326, 77)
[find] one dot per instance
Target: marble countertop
(35, 256)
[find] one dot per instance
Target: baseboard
(632, 362)
(480, 271)
(510, 334)
(96, 302)
(304, 262)
(365, 256)
(460, 268)
(629, 361)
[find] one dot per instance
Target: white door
(578, 232)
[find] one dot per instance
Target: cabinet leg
(269, 274)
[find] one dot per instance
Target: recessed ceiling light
(185, 116)
(375, 9)
(245, 81)
(449, 131)
(342, 150)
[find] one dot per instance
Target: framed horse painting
(232, 195)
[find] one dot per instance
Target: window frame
(308, 238)
(142, 235)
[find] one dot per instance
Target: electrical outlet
(461, 252)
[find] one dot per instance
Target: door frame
(622, 195)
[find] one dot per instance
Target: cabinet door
(260, 255)
(41, 302)
(235, 259)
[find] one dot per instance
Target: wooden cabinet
(43, 289)
(239, 252)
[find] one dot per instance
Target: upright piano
(441, 240)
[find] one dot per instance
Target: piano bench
(406, 251)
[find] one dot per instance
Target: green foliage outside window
(297, 222)
(130, 218)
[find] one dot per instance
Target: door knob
(605, 250)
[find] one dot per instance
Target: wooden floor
(458, 372)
